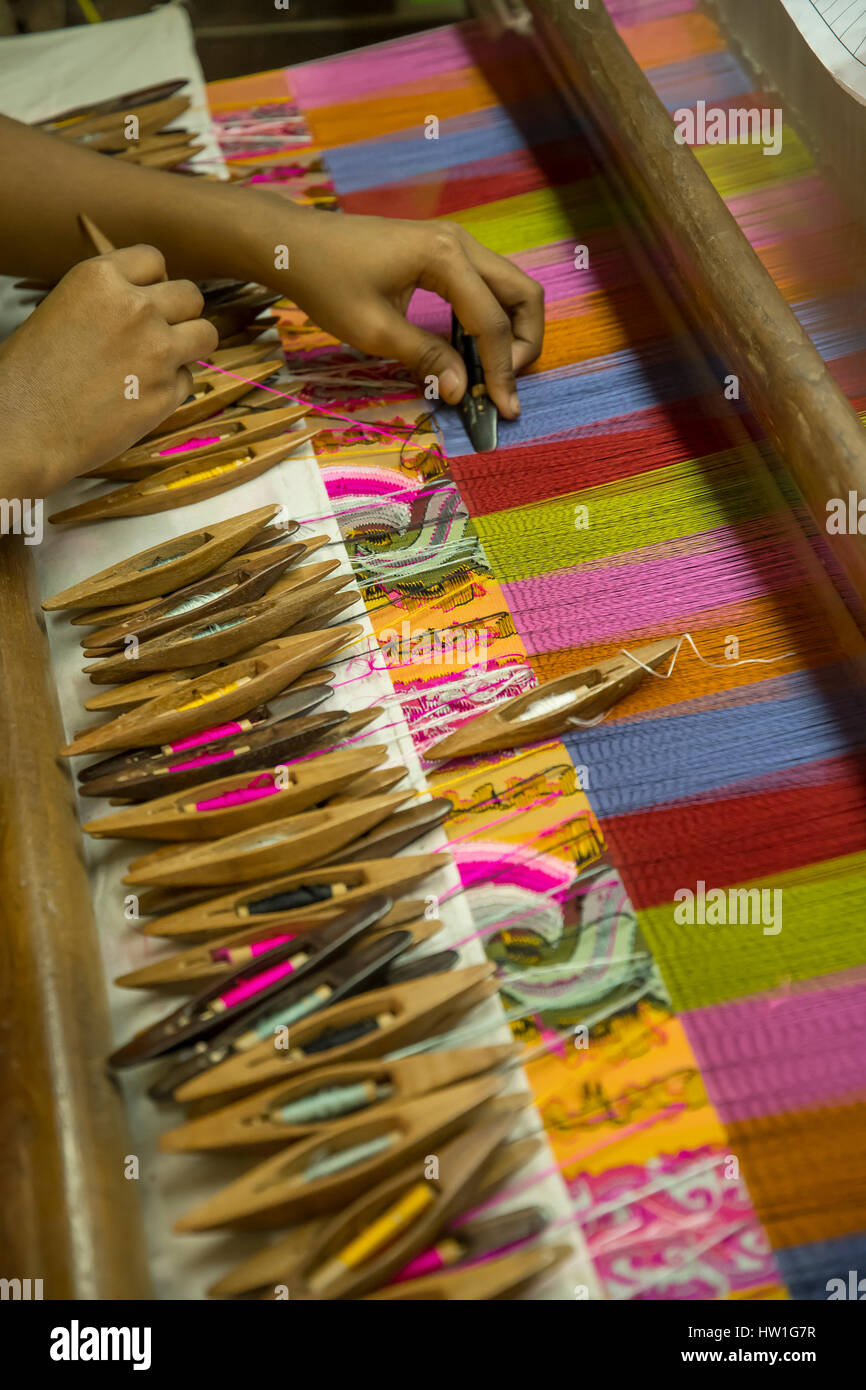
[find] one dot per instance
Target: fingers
(425, 354)
(140, 265)
(177, 300)
(184, 385)
(519, 294)
(451, 274)
(193, 340)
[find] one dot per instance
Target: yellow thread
(212, 695)
(376, 1236)
(208, 473)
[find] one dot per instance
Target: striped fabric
(634, 499)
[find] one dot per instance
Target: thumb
(426, 355)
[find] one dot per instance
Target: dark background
(240, 36)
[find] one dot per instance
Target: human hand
(99, 363)
(355, 275)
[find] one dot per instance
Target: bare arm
(354, 276)
(199, 226)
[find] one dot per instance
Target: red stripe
(729, 842)
(537, 472)
(476, 184)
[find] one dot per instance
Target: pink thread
(377, 506)
(510, 815)
(203, 761)
(428, 1262)
(519, 1188)
(347, 743)
(373, 429)
(209, 736)
(247, 988)
(483, 878)
(553, 1043)
(253, 791)
(191, 444)
(258, 948)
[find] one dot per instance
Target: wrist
(271, 236)
(29, 463)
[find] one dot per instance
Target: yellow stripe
(213, 695)
(208, 473)
(364, 1246)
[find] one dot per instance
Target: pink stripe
(201, 762)
(371, 71)
(428, 1262)
(209, 736)
(191, 444)
(577, 607)
(248, 988)
(749, 1065)
(258, 948)
(790, 209)
(254, 791)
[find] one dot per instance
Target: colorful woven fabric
(632, 500)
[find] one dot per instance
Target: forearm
(354, 276)
(203, 228)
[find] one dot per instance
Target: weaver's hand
(101, 362)
(354, 276)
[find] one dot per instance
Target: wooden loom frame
(68, 1218)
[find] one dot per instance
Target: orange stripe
(663, 41)
(347, 123)
(765, 627)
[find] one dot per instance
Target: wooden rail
(68, 1216)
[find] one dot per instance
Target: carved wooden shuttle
(204, 440)
(266, 1117)
(242, 583)
(485, 1281)
(367, 1026)
(260, 742)
(277, 1263)
(216, 638)
(280, 1188)
(209, 700)
(545, 712)
(162, 568)
(339, 1266)
(186, 482)
(280, 845)
(253, 985)
(230, 804)
(189, 970)
(308, 892)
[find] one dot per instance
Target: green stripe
(820, 935)
(734, 169)
(629, 514)
(530, 220)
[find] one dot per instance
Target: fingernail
(449, 385)
(514, 404)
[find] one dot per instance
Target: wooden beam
(69, 1216)
(729, 296)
